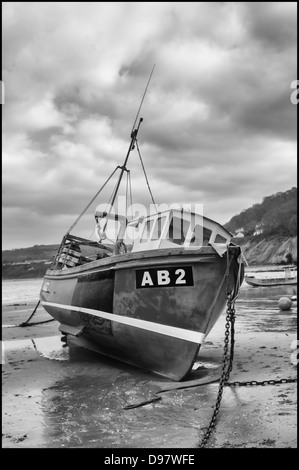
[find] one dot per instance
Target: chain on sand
(228, 364)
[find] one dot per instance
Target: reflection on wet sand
(259, 309)
(76, 398)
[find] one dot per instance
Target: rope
(109, 204)
(131, 199)
(26, 323)
(145, 174)
(89, 204)
(127, 191)
(37, 322)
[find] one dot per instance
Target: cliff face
(269, 250)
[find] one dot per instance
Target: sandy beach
(55, 397)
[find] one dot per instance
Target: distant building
(239, 233)
(258, 229)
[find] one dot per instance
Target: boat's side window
(158, 228)
(178, 229)
(147, 230)
(201, 236)
(206, 235)
(220, 239)
(196, 239)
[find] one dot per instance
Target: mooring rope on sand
(26, 323)
(168, 387)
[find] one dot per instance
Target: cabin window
(158, 228)
(201, 236)
(147, 230)
(220, 239)
(178, 229)
(132, 234)
(206, 235)
(196, 239)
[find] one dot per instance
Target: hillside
(275, 215)
(260, 250)
(36, 252)
(267, 231)
(25, 263)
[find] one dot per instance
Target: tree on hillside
(276, 215)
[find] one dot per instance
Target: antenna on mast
(143, 96)
(122, 168)
(133, 140)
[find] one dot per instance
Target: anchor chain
(263, 382)
(227, 361)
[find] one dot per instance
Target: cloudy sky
(219, 127)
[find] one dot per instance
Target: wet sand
(56, 397)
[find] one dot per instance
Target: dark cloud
(219, 127)
(272, 23)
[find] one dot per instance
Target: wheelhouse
(178, 228)
(167, 229)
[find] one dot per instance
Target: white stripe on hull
(181, 333)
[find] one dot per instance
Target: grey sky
(219, 127)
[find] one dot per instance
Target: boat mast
(133, 139)
(123, 168)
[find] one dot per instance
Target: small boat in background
(283, 277)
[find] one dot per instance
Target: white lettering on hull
(164, 277)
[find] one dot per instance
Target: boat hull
(152, 309)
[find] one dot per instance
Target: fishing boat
(284, 277)
(151, 302)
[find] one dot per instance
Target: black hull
(158, 327)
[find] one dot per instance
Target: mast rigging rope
(146, 178)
